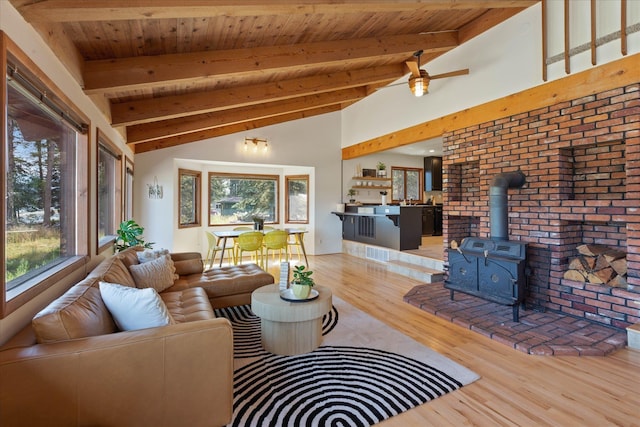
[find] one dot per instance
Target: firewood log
(575, 275)
(620, 266)
(601, 276)
(618, 282)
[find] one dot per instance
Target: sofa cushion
(188, 305)
(78, 313)
(134, 308)
(226, 281)
(113, 270)
(158, 274)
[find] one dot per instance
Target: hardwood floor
(516, 389)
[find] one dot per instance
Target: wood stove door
(497, 280)
(463, 272)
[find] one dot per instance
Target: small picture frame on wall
(369, 173)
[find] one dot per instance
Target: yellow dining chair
(213, 249)
(276, 240)
(251, 241)
(235, 241)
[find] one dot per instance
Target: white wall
(310, 146)
(504, 60)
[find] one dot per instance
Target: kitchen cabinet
(428, 220)
(395, 227)
(437, 227)
(433, 173)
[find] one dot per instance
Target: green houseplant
(302, 282)
(352, 195)
(130, 234)
(382, 169)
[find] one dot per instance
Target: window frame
(127, 189)
(116, 213)
(197, 196)
(287, 197)
(420, 173)
(275, 178)
(52, 275)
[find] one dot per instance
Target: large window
(109, 190)
(297, 199)
(237, 199)
(406, 184)
(189, 197)
(44, 165)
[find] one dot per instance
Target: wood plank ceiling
(169, 72)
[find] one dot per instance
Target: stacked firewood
(598, 264)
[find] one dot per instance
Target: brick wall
(582, 162)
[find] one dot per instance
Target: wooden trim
(197, 175)
(598, 79)
(288, 178)
(102, 139)
(4, 306)
(275, 178)
(81, 225)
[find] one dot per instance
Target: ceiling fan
(419, 80)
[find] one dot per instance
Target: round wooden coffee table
(289, 328)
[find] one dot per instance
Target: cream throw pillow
(134, 308)
(158, 274)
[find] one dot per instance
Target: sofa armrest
(174, 375)
(187, 263)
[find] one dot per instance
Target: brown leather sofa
(71, 366)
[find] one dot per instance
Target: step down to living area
(424, 269)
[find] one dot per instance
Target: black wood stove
(492, 269)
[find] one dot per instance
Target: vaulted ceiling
(168, 72)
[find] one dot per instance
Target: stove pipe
(498, 202)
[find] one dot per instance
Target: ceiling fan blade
(414, 68)
(450, 74)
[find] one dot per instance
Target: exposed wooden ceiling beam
(112, 10)
(227, 130)
(148, 71)
(166, 128)
(135, 112)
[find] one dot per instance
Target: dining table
(223, 235)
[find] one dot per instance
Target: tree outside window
(297, 199)
(237, 199)
(189, 198)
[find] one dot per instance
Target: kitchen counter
(394, 227)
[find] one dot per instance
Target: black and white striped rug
(342, 383)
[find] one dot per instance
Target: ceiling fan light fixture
(418, 85)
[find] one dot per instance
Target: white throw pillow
(158, 274)
(151, 254)
(134, 308)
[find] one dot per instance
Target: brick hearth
(537, 333)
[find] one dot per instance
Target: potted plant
(351, 193)
(302, 282)
(130, 234)
(382, 169)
